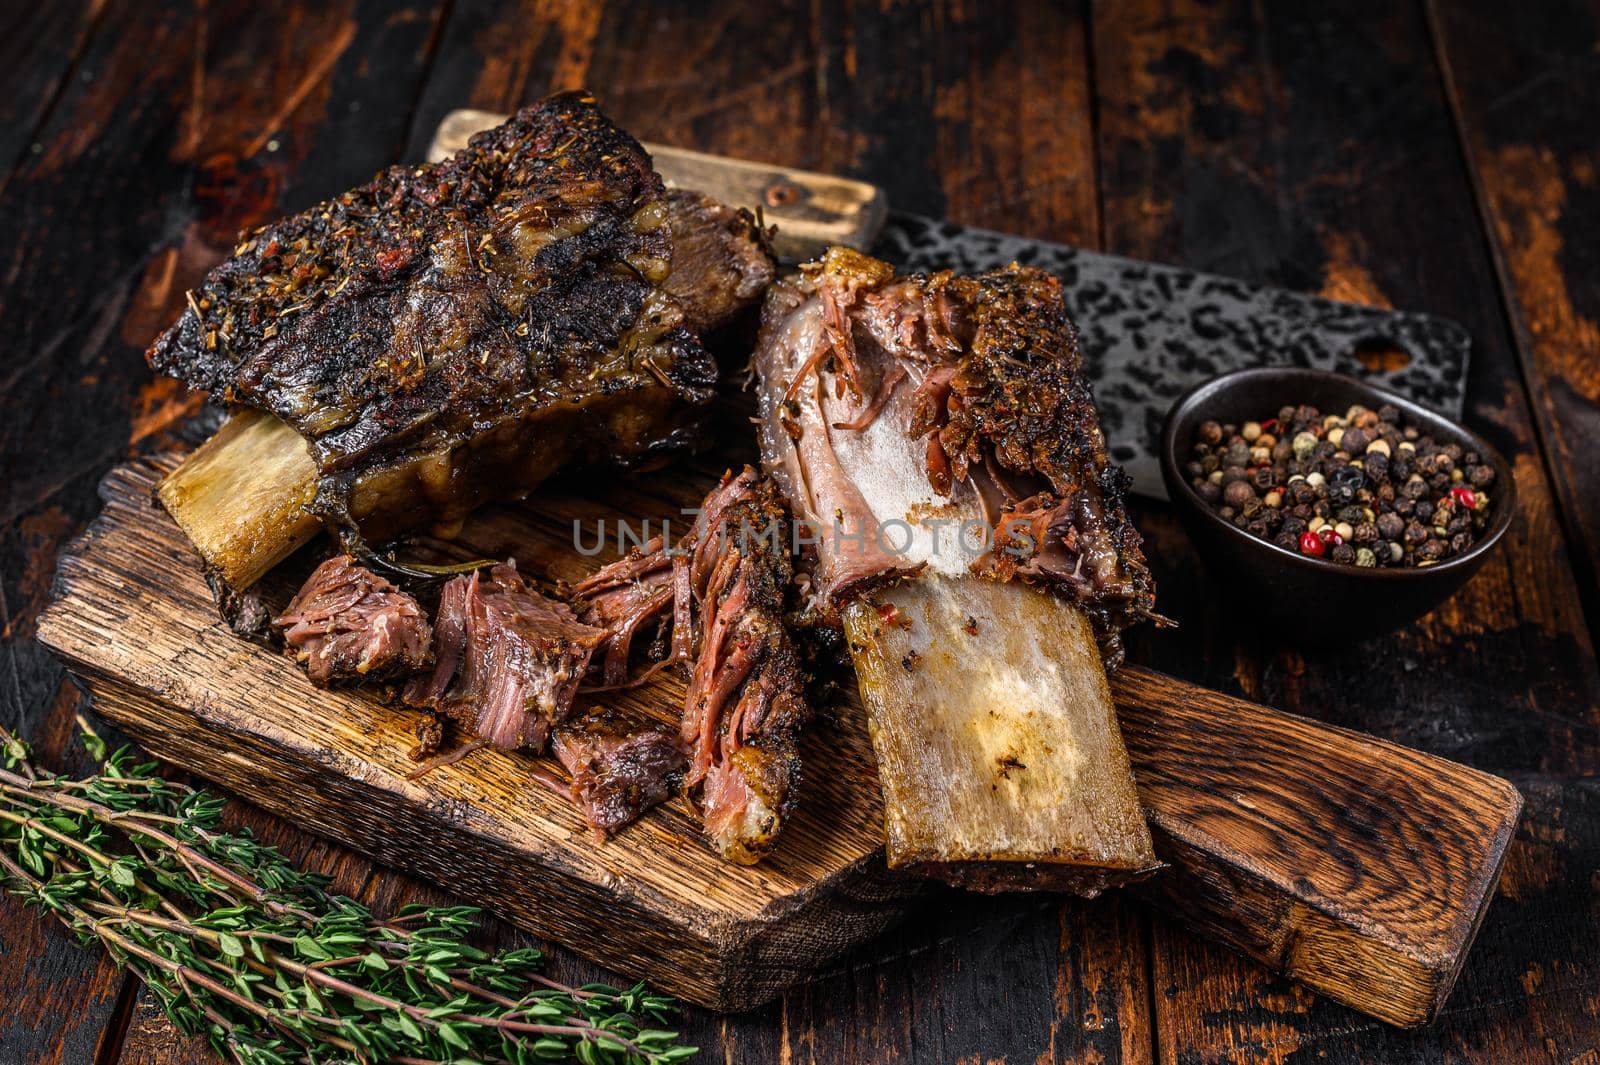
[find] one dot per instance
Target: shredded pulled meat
(347, 624)
(508, 660)
(721, 593)
(889, 400)
(619, 768)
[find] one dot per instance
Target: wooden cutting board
(1357, 866)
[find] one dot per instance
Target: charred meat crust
(1001, 403)
(444, 303)
(347, 624)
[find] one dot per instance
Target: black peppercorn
(1344, 482)
(1392, 495)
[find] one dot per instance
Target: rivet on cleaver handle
(810, 210)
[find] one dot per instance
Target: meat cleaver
(1149, 331)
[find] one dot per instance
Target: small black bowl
(1347, 601)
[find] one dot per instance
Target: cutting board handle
(1356, 866)
(810, 210)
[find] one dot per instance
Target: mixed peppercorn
(1357, 488)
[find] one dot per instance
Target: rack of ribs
(450, 334)
(937, 437)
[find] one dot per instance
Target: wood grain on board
(1354, 865)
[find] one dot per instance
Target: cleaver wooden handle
(810, 210)
(1358, 867)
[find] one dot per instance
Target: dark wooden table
(1441, 156)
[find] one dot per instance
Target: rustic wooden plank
(1523, 91)
(1312, 148)
(1356, 866)
(39, 46)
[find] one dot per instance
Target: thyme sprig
(267, 963)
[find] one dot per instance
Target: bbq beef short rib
(347, 624)
(507, 660)
(716, 603)
(981, 378)
(452, 333)
(937, 437)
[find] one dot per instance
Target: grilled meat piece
(720, 264)
(985, 375)
(349, 624)
(507, 660)
(722, 594)
(452, 333)
(619, 768)
(906, 418)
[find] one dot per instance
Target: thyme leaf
(260, 958)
